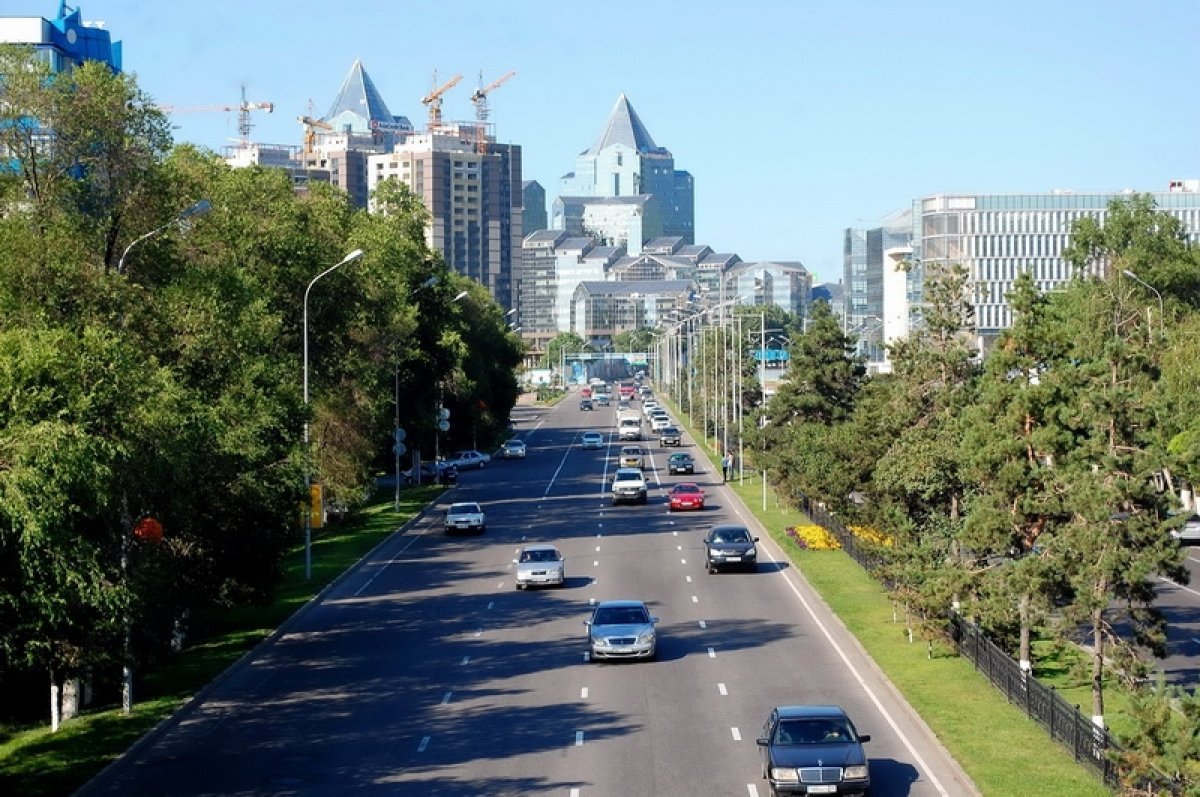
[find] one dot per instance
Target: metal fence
(1091, 745)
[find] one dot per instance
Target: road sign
(399, 434)
(444, 425)
(399, 449)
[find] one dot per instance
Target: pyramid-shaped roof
(359, 97)
(624, 127)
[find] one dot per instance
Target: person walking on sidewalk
(726, 466)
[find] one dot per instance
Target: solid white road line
(403, 548)
(579, 738)
(720, 689)
(561, 465)
(583, 693)
(1182, 587)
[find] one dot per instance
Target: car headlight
(751, 554)
(785, 775)
(855, 773)
(645, 638)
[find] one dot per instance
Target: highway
(423, 671)
(1180, 604)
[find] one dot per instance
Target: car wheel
(482, 529)
(520, 586)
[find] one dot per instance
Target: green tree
(560, 344)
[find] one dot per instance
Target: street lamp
(1162, 308)
(350, 258)
(198, 209)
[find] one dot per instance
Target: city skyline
(828, 115)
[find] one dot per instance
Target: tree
(560, 344)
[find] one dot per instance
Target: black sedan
(681, 462)
(728, 545)
(814, 750)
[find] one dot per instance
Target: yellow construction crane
(310, 131)
(434, 100)
(479, 97)
(243, 111)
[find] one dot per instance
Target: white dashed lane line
(579, 738)
(737, 734)
(721, 690)
(712, 653)
(423, 745)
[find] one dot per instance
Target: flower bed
(812, 537)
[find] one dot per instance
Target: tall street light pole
(350, 258)
(198, 209)
(1162, 308)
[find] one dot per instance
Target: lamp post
(350, 258)
(198, 209)
(1162, 308)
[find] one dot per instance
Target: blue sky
(796, 119)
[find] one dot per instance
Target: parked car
(1189, 531)
(681, 462)
(465, 516)
(813, 750)
(585, 404)
(670, 436)
(513, 449)
(540, 564)
(631, 457)
(591, 440)
(685, 495)
(426, 473)
(628, 485)
(729, 545)
(621, 630)
(465, 460)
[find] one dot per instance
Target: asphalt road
(1181, 605)
(424, 672)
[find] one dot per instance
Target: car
(465, 460)
(681, 462)
(685, 495)
(1189, 531)
(591, 440)
(622, 404)
(621, 630)
(465, 516)
(648, 407)
(585, 404)
(659, 422)
(730, 545)
(670, 436)
(628, 485)
(814, 750)
(513, 449)
(602, 399)
(629, 429)
(631, 457)
(426, 473)
(540, 564)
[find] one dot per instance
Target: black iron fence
(1090, 744)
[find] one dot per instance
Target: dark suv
(814, 750)
(730, 546)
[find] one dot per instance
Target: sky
(796, 119)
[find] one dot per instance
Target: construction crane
(479, 98)
(310, 131)
(243, 111)
(434, 100)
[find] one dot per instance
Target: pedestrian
(726, 467)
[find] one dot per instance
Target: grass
(37, 763)
(997, 745)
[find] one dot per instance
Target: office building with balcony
(998, 236)
(625, 162)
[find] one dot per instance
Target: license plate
(738, 559)
(822, 789)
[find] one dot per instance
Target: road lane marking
(403, 549)
(446, 698)
(688, 579)
(561, 465)
(583, 693)
(579, 738)
(721, 690)
(703, 624)
(737, 735)
(679, 547)
(1182, 587)
(465, 660)
(684, 562)
(695, 599)
(597, 549)
(595, 563)
(752, 790)
(478, 632)
(712, 653)
(574, 792)
(424, 744)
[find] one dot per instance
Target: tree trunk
(1026, 657)
(55, 703)
(1098, 667)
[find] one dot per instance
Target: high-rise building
(533, 207)
(473, 195)
(865, 267)
(64, 42)
(625, 162)
(998, 236)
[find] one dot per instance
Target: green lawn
(37, 763)
(1003, 751)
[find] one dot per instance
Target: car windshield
(731, 535)
(620, 615)
(686, 488)
(681, 457)
(539, 556)
(813, 731)
(462, 509)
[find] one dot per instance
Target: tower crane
(243, 111)
(311, 126)
(434, 100)
(479, 98)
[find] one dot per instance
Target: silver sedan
(622, 630)
(540, 564)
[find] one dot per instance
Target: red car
(686, 496)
